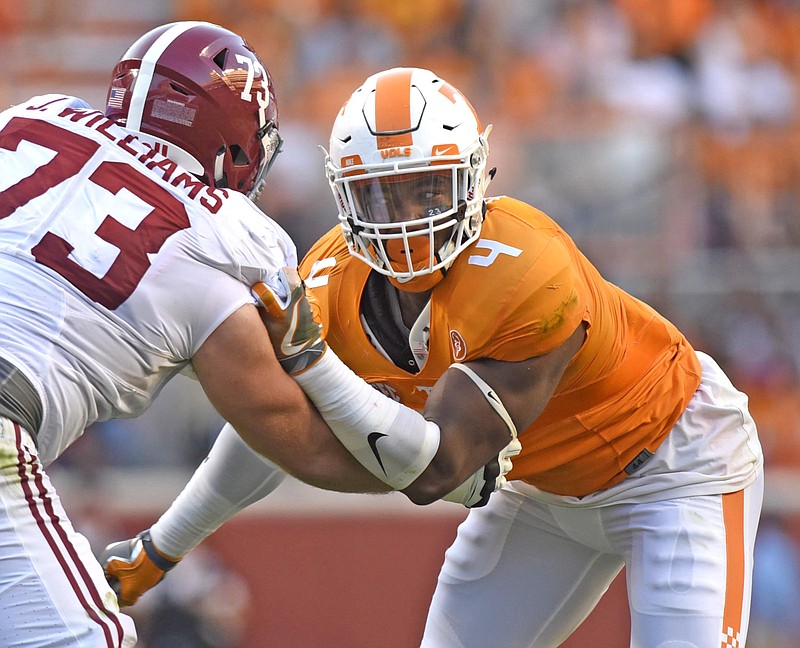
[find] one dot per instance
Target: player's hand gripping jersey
(112, 232)
(520, 291)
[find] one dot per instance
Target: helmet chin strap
(420, 283)
(423, 282)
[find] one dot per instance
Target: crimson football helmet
(200, 94)
(408, 166)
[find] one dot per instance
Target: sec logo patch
(458, 345)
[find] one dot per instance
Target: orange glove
(134, 566)
(295, 332)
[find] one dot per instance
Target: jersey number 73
(168, 214)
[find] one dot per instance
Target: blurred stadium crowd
(663, 134)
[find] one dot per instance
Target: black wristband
(491, 471)
(303, 360)
(162, 562)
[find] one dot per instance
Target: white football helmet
(407, 165)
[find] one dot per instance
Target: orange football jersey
(519, 291)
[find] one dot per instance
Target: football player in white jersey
(129, 241)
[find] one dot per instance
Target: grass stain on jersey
(556, 320)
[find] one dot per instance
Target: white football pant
(52, 589)
(528, 568)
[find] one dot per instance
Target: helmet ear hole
(219, 59)
(238, 155)
(179, 89)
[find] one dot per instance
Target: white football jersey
(115, 263)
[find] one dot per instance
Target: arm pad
(392, 441)
(232, 477)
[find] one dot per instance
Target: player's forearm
(464, 460)
(327, 464)
(231, 478)
(394, 442)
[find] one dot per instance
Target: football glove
(295, 333)
(134, 566)
(475, 492)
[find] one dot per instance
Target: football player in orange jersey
(482, 314)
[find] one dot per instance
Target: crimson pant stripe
(54, 522)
